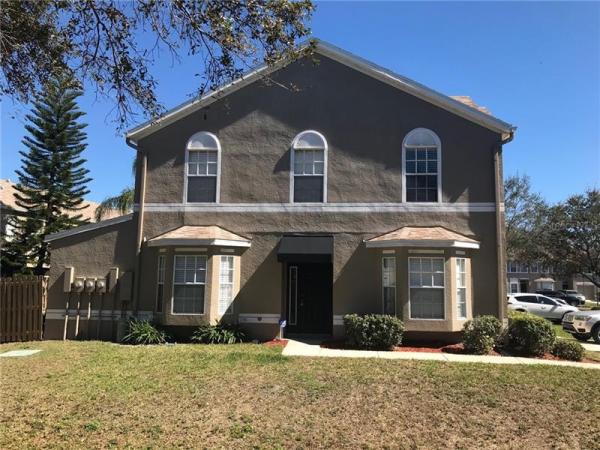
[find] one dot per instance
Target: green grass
(100, 395)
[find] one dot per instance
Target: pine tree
(52, 179)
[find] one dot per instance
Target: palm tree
(123, 203)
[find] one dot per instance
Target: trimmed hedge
(480, 334)
(573, 351)
(373, 331)
(529, 335)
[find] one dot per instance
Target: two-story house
(300, 192)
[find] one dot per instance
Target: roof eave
(391, 243)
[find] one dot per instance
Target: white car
(540, 305)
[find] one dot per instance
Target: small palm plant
(221, 333)
(142, 332)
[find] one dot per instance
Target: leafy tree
(570, 237)
(524, 214)
(102, 42)
(52, 179)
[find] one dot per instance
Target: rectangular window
(512, 267)
(388, 275)
(461, 287)
(160, 283)
(421, 174)
(534, 268)
(426, 291)
(309, 167)
(226, 285)
(189, 279)
(202, 176)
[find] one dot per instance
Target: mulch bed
(276, 343)
(437, 347)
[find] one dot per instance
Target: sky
(533, 64)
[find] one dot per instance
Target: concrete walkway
(591, 347)
(296, 348)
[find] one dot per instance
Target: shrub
(529, 335)
(373, 331)
(221, 333)
(480, 334)
(142, 332)
(573, 351)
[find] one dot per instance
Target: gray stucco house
(356, 191)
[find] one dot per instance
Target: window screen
(426, 281)
(189, 279)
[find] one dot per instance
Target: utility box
(125, 284)
(113, 277)
(68, 279)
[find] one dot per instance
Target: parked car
(540, 305)
(574, 293)
(570, 299)
(583, 325)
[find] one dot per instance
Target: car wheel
(596, 333)
(582, 336)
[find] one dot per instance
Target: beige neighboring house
(9, 207)
(360, 191)
(532, 277)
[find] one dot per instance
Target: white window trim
(439, 164)
(185, 169)
(443, 289)
(192, 284)
(395, 286)
(325, 164)
(158, 283)
(458, 288)
(229, 310)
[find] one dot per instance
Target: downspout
(140, 227)
(500, 226)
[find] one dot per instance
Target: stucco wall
(363, 120)
(92, 254)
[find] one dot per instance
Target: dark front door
(309, 304)
(524, 285)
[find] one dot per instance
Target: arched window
(308, 183)
(202, 168)
(421, 156)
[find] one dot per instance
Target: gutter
(140, 226)
(500, 233)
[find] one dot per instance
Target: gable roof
(199, 235)
(460, 108)
(422, 237)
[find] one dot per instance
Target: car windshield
(571, 292)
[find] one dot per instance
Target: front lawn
(91, 394)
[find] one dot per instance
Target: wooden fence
(23, 302)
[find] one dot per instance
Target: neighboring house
(532, 277)
(358, 191)
(9, 207)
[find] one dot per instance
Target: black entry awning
(305, 249)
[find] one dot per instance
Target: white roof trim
(343, 57)
(157, 242)
(421, 243)
(88, 227)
